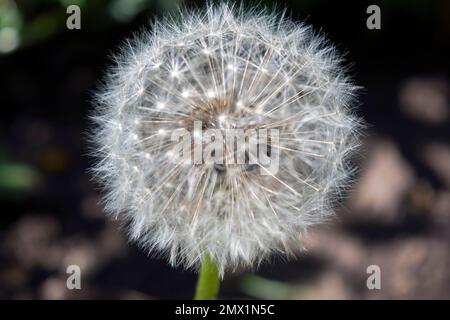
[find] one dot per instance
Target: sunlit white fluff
(269, 72)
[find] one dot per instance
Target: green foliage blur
(24, 22)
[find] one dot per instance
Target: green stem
(208, 280)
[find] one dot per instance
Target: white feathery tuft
(260, 70)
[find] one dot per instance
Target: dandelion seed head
(228, 69)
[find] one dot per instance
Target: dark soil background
(397, 217)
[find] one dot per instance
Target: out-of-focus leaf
(125, 10)
(17, 177)
(10, 25)
(67, 3)
(266, 289)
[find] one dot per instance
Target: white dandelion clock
(223, 69)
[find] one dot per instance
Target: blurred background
(397, 216)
